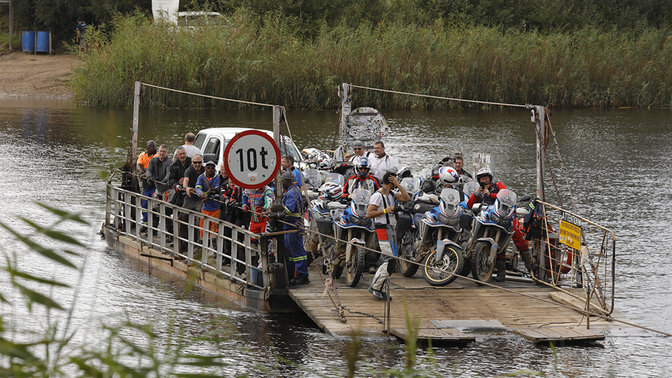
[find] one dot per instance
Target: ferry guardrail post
(190, 236)
(234, 253)
(220, 247)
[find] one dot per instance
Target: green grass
(265, 60)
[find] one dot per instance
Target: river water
(618, 164)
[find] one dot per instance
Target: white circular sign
(252, 159)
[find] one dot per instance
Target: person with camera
(487, 194)
(177, 170)
(381, 209)
(487, 190)
(207, 188)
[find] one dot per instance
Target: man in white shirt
(189, 147)
(381, 209)
(381, 162)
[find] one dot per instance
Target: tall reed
(264, 59)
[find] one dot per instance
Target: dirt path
(40, 76)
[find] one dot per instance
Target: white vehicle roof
(227, 133)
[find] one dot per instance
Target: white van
(212, 143)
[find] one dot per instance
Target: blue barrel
(28, 41)
(42, 44)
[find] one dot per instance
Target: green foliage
(128, 349)
(266, 59)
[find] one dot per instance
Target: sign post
(252, 159)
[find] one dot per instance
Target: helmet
(362, 166)
(331, 190)
(485, 171)
(404, 172)
(448, 176)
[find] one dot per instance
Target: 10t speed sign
(251, 159)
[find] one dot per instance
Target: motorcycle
(492, 232)
(353, 231)
(409, 218)
(439, 244)
(321, 218)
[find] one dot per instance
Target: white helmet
(448, 176)
(485, 171)
(331, 190)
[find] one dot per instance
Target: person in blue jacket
(291, 200)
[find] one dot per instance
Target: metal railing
(587, 272)
(198, 239)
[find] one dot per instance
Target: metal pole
(345, 111)
(538, 120)
(133, 149)
(276, 135)
(11, 23)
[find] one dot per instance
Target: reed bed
(265, 59)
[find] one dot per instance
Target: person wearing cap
(142, 165)
(381, 209)
(358, 149)
(298, 259)
(207, 185)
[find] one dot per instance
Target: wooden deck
(458, 312)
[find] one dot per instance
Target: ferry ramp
(458, 312)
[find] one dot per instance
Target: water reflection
(617, 163)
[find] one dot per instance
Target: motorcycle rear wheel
(482, 270)
(442, 272)
(355, 267)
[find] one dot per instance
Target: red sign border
(228, 149)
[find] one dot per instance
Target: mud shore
(37, 76)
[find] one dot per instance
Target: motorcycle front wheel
(407, 251)
(442, 272)
(481, 269)
(355, 266)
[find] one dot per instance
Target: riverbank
(37, 76)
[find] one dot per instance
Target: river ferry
(569, 296)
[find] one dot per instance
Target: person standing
(177, 170)
(381, 209)
(258, 202)
(459, 167)
(287, 163)
(81, 32)
(189, 147)
(358, 149)
(207, 185)
(381, 162)
(298, 259)
(142, 165)
(191, 200)
(158, 171)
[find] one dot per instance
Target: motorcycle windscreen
(387, 239)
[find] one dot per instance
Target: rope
(441, 97)
(208, 96)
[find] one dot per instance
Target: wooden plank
(434, 334)
(547, 334)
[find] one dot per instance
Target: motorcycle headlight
(449, 221)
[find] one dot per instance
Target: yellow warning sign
(570, 234)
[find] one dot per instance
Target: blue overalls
(294, 241)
